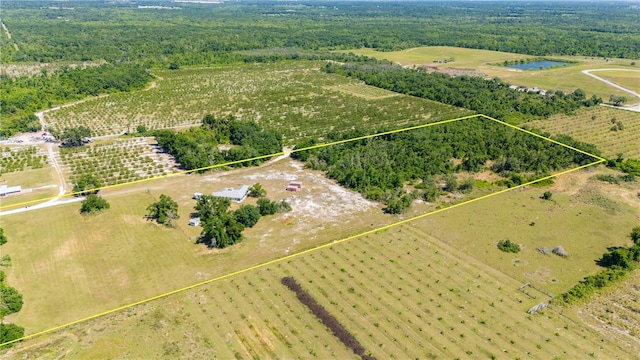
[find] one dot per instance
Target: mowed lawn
(596, 126)
(566, 78)
(401, 293)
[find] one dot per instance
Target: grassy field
(594, 126)
(401, 293)
(626, 79)
(87, 264)
(293, 97)
(585, 217)
(565, 79)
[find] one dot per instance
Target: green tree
(75, 136)
(208, 206)
(3, 237)
(635, 235)
(10, 332)
(451, 184)
(617, 100)
(86, 185)
(10, 300)
(247, 215)
(257, 191)
(267, 207)
(220, 231)
(164, 211)
(93, 204)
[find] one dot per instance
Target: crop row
(595, 125)
(403, 297)
(21, 158)
(297, 99)
(116, 162)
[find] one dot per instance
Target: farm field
(401, 293)
(295, 98)
(29, 167)
(566, 78)
(74, 246)
(594, 126)
(117, 161)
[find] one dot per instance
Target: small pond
(538, 65)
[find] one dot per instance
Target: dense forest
(491, 97)
(21, 97)
(200, 147)
(381, 167)
(188, 34)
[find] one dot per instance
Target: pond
(538, 65)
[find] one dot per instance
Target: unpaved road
(631, 92)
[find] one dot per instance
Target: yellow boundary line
(246, 160)
(335, 242)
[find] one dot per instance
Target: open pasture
(401, 293)
(567, 78)
(594, 125)
(295, 98)
(584, 216)
(117, 161)
(88, 264)
(626, 79)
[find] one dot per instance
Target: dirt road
(631, 92)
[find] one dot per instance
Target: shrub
(546, 196)
(508, 246)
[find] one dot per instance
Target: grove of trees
(380, 167)
(199, 147)
(21, 97)
(491, 97)
(222, 227)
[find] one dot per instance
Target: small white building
(238, 194)
(194, 221)
(6, 190)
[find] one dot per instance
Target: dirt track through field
(633, 108)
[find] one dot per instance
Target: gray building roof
(238, 194)
(4, 189)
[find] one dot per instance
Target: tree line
(43, 33)
(381, 167)
(10, 302)
(492, 97)
(21, 97)
(200, 147)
